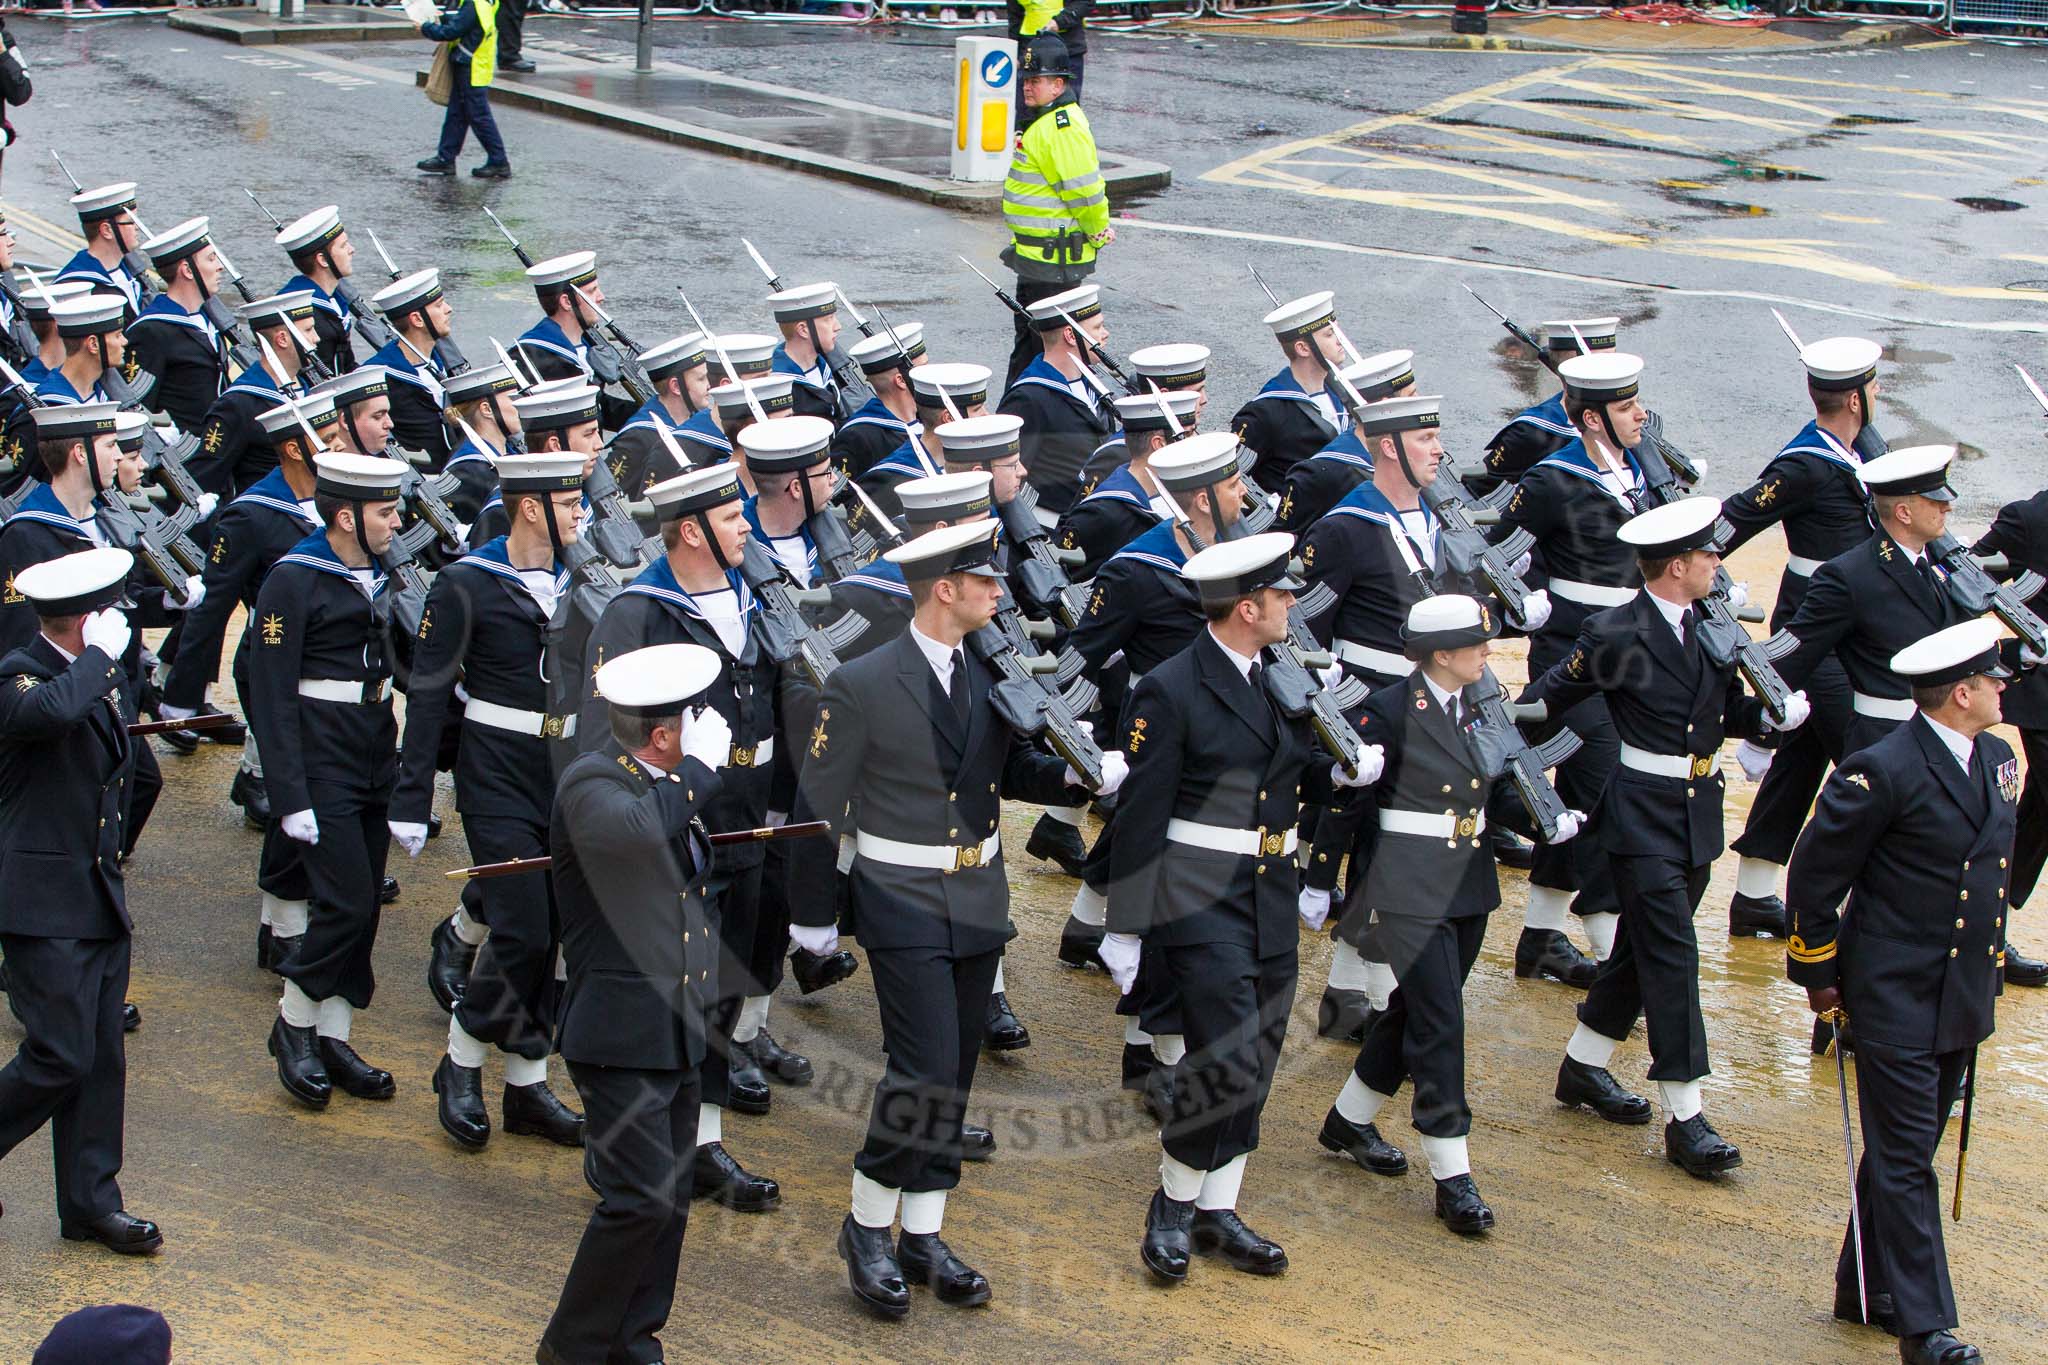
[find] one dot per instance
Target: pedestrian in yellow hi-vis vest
(473, 30)
(1054, 201)
(1066, 19)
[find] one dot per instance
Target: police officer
(908, 737)
(889, 417)
(1916, 831)
(110, 261)
(1673, 693)
(1125, 503)
(321, 251)
(180, 357)
(234, 451)
(1317, 484)
(1203, 876)
(1054, 200)
(1546, 428)
(419, 314)
(808, 318)
(681, 375)
(1066, 409)
(1298, 412)
(630, 860)
(64, 926)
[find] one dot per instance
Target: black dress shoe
(131, 1017)
(234, 732)
(182, 742)
(388, 891)
(1698, 1149)
(1459, 1205)
(1344, 1015)
(536, 1111)
(1824, 1037)
(1220, 1232)
(1166, 1245)
(492, 170)
(117, 1231)
(354, 1075)
(461, 1106)
(284, 951)
(714, 1175)
(748, 1093)
(434, 165)
(1938, 1348)
(1882, 1315)
(976, 1142)
(298, 1064)
(1595, 1088)
(1756, 916)
(1363, 1145)
(264, 940)
(1158, 1094)
(872, 1270)
(1081, 944)
(814, 972)
(433, 825)
(1138, 1064)
(791, 1068)
(1003, 1032)
(1512, 850)
(448, 962)
(2021, 970)
(248, 792)
(926, 1260)
(519, 64)
(1056, 841)
(1547, 952)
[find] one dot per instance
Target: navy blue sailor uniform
(1322, 481)
(1919, 846)
(815, 391)
(545, 349)
(334, 325)
(118, 281)
(1284, 426)
(877, 592)
(1528, 437)
(53, 387)
(2020, 533)
(638, 456)
(1658, 822)
(909, 460)
(476, 481)
(234, 453)
(416, 402)
(180, 361)
(871, 433)
(1064, 421)
(1115, 512)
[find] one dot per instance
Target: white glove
(1119, 953)
(707, 738)
(1536, 609)
(1568, 826)
(1314, 906)
(195, 593)
(1523, 564)
(1331, 676)
(1372, 761)
(107, 630)
(1738, 596)
(170, 712)
(1115, 768)
(1797, 709)
(207, 502)
(2031, 658)
(301, 825)
(1754, 758)
(410, 837)
(822, 939)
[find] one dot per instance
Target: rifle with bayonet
(1032, 709)
(160, 541)
(376, 333)
(447, 354)
(843, 373)
(613, 357)
(134, 258)
(402, 563)
(786, 633)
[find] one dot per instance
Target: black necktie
(1926, 567)
(958, 691)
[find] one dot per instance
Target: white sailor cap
(1910, 469)
(75, 584)
(1840, 364)
(61, 421)
(656, 681)
(1196, 462)
(311, 232)
(1966, 650)
(416, 290)
(1148, 411)
(184, 240)
(1173, 365)
(1080, 303)
(89, 314)
(478, 381)
(1421, 412)
(1304, 316)
(750, 353)
(882, 351)
(946, 497)
(1676, 527)
(557, 273)
(696, 490)
(128, 428)
(964, 547)
(318, 410)
(786, 447)
(1601, 334)
(1602, 376)
(966, 385)
(804, 302)
(1446, 621)
(551, 471)
(1380, 376)
(1231, 569)
(981, 441)
(558, 407)
(108, 201)
(675, 355)
(772, 393)
(358, 385)
(36, 298)
(359, 478)
(278, 309)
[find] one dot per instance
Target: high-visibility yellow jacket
(1053, 196)
(474, 31)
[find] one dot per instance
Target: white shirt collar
(1959, 744)
(1672, 612)
(1438, 694)
(71, 658)
(1243, 662)
(939, 656)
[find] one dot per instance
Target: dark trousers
(1903, 1096)
(469, 106)
(2030, 840)
(1154, 998)
(1420, 1036)
(640, 1138)
(344, 874)
(145, 782)
(1027, 347)
(511, 31)
(771, 919)
(732, 897)
(1798, 768)
(1654, 970)
(512, 993)
(934, 1008)
(1235, 1016)
(71, 1071)
(1578, 864)
(279, 868)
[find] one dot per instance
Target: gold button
(951, 796)
(1959, 924)
(1998, 923)
(991, 786)
(1990, 951)
(1262, 867)
(1447, 789)
(686, 935)
(1322, 857)
(1688, 791)
(952, 834)
(1688, 729)
(689, 795)
(1951, 952)
(1962, 895)
(1262, 796)
(1966, 865)
(2001, 862)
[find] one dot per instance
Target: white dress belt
(534, 724)
(1882, 708)
(1245, 843)
(745, 757)
(1382, 661)
(1590, 594)
(933, 857)
(1801, 565)
(1445, 826)
(1687, 766)
(341, 689)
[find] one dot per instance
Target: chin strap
(711, 539)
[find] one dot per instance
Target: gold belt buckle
(969, 856)
(551, 727)
(1271, 844)
(742, 757)
(1468, 826)
(1702, 764)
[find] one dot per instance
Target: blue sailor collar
(1283, 386)
(875, 413)
(469, 451)
(1573, 458)
(908, 458)
(652, 416)
(55, 387)
(1040, 372)
(658, 580)
(818, 377)
(86, 266)
(1813, 440)
(1121, 485)
(396, 357)
(1549, 415)
(164, 308)
(33, 370)
(494, 556)
(315, 553)
(257, 380)
(1347, 448)
(549, 336)
(1158, 547)
(42, 504)
(880, 575)
(703, 429)
(1368, 502)
(272, 491)
(331, 303)
(751, 508)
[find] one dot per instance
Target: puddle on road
(1987, 204)
(1857, 120)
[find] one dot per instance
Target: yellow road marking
(61, 238)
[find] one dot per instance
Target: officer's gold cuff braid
(1796, 949)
